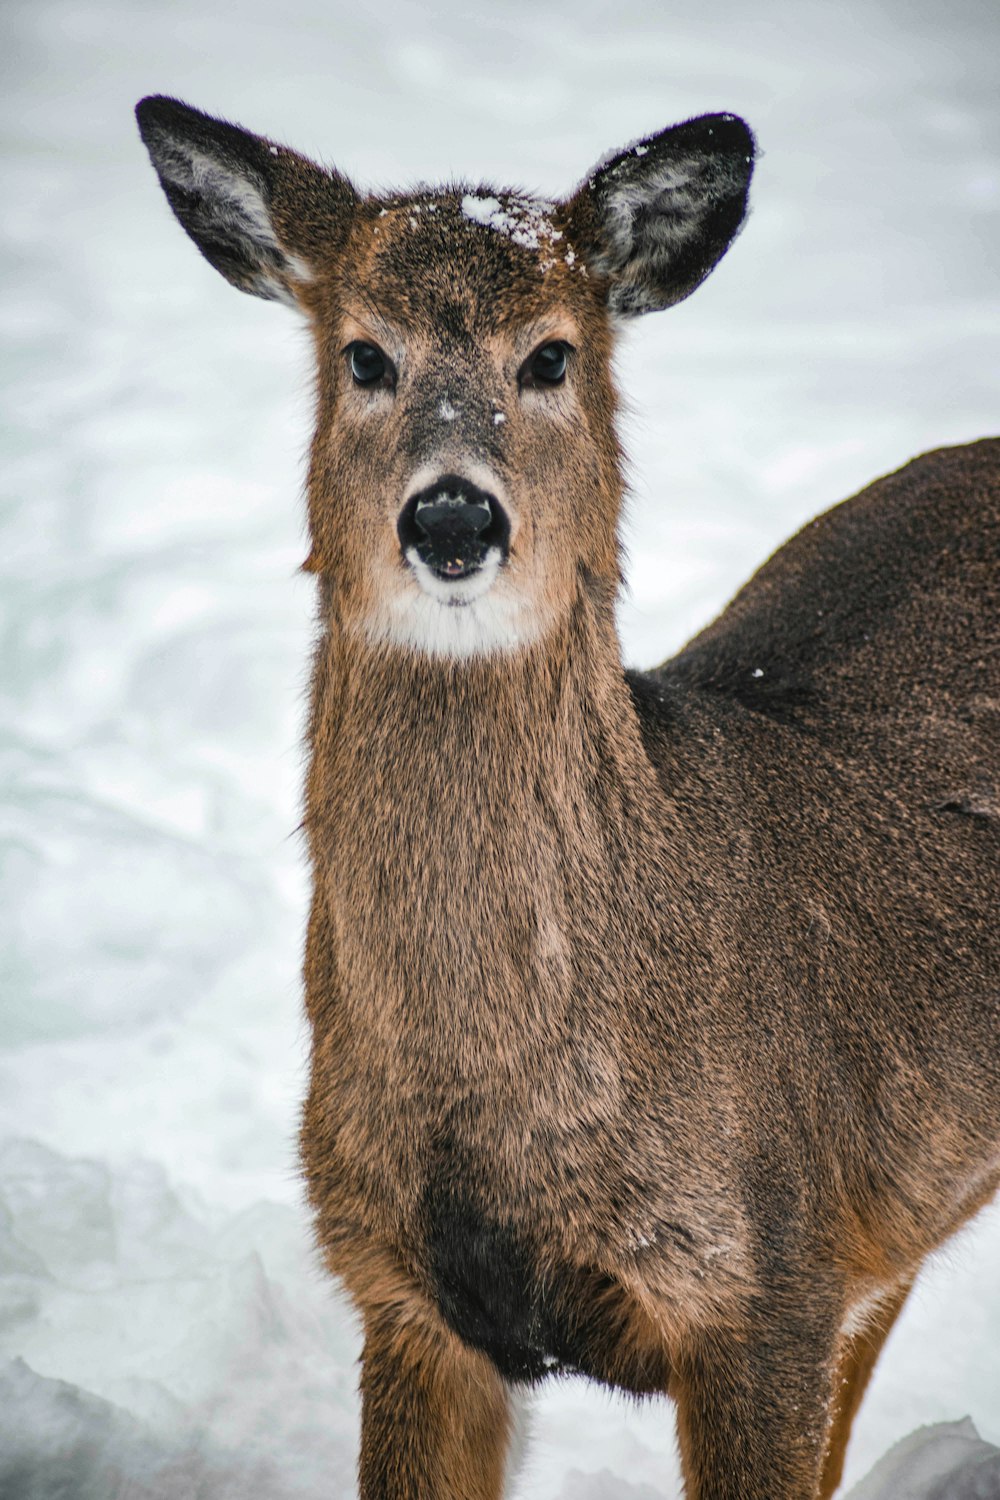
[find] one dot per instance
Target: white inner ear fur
(238, 207)
(676, 194)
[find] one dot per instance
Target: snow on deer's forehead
(525, 220)
(445, 228)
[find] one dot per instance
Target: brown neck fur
(449, 805)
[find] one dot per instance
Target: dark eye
(368, 364)
(547, 366)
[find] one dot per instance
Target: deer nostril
(452, 525)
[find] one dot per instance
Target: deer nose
(452, 525)
(452, 516)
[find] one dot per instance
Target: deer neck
(459, 817)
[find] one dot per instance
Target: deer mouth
(453, 529)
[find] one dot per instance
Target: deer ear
(655, 218)
(261, 214)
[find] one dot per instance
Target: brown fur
(856, 1360)
(655, 1017)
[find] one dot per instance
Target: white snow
(482, 210)
(524, 220)
(162, 1318)
(948, 1461)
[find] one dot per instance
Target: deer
(654, 1015)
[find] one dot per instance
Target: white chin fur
(456, 618)
(456, 593)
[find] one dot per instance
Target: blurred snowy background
(164, 1331)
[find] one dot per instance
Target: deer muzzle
(451, 526)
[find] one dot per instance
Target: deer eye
(547, 366)
(368, 364)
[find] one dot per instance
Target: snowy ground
(163, 1329)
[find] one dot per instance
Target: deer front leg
(856, 1361)
(753, 1413)
(434, 1416)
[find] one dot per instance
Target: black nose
(451, 516)
(452, 525)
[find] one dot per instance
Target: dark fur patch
(490, 1291)
(487, 1287)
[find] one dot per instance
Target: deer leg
(434, 1416)
(752, 1414)
(855, 1365)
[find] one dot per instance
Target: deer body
(655, 1016)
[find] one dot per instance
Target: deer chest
(499, 1287)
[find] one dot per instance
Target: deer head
(465, 479)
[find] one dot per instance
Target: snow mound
(57, 1442)
(948, 1461)
(202, 1354)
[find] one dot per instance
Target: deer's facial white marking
(456, 593)
(477, 616)
(482, 613)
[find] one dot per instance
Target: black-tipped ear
(655, 218)
(261, 214)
